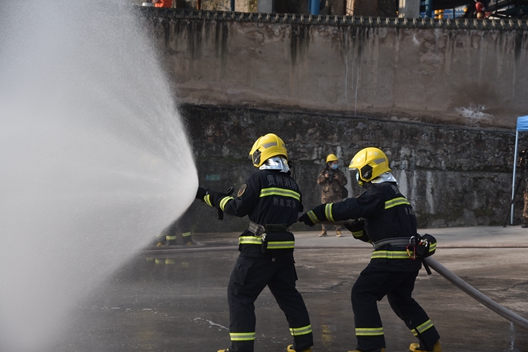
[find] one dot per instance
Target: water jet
(94, 154)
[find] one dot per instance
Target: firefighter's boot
(378, 350)
(224, 350)
(338, 233)
(290, 349)
(415, 347)
(323, 234)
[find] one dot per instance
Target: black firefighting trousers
(248, 278)
(371, 286)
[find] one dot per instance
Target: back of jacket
(387, 214)
(268, 197)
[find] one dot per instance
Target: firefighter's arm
(213, 198)
(315, 215)
(357, 227)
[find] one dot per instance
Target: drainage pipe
(476, 294)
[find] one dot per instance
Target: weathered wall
(464, 72)
(441, 98)
(453, 175)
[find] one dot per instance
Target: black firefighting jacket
(387, 214)
(269, 198)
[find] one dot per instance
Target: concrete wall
(465, 72)
(441, 98)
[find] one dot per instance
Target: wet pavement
(174, 299)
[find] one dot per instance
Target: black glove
(355, 225)
(306, 219)
(200, 194)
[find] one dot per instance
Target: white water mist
(94, 157)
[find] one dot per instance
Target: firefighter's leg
(368, 289)
(416, 319)
(282, 286)
(248, 279)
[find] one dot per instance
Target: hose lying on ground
(476, 294)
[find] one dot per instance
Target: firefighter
(272, 201)
(382, 216)
(332, 182)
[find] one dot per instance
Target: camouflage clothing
(331, 190)
(331, 187)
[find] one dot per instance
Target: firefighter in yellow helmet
(385, 218)
(272, 200)
(332, 182)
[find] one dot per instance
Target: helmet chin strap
(276, 163)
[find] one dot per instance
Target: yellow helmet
(266, 147)
(370, 163)
(331, 157)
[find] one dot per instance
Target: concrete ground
(174, 299)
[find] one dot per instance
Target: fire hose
(476, 294)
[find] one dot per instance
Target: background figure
(169, 235)
(332, 182)
(523, 165)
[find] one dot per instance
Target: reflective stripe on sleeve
(357, 234)
(207, 200)
(224, 201)
(312, 217)
(328, 211)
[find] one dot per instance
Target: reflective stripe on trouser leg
(369, 331)
(369, 328)
(301, 331)
(247, 280)
(242, 336)
(282, 286)
(427, 334)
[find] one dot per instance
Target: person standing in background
(332, 182)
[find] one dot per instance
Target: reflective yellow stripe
(275, 191)
(357, 234)
(432, 247)
(250, 240)
(224, 201)
(423, 327)
(312, 217)
(396, 201)
(281, 245)
(169, 238)
(305, 330)
(328, 211)
(369, 331)
(389, 255)
(207, 200)
(242, 336)
(186, 234)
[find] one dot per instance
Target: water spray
(91, 170)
